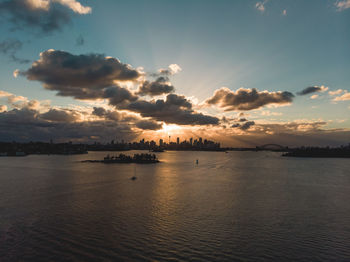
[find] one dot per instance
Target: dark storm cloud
(244, 126)
(118, 95)
(60, 115)
(247, 125)
(148, 125)
(99, 111)
(145, 124)
(175, 109)
(107, 114)
(89, 76)
(94, 77)
(312, 89)
(23, 15)
(29, 125)
(158, 87)
(10, 47)
(248, 99)
(59, 69)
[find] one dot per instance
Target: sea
(234, 206)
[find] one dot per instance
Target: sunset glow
(239, 78)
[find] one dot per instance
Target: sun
(170, 129)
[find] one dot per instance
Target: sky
(243, 72)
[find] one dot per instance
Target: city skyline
(242, 73)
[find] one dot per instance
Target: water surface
(238, 206)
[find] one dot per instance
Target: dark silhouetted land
(338, 152)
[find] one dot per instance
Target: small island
(125, 159)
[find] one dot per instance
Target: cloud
(148, 125)
(244, 126)
(342, 5)
(248, 99)
(158, 87)
(22, 102)
(42, 15)
(343, 97)
(171, 70)
(74, 5)
(269, 113)
(59, 68)
(145, 124)
(3, 108)
(336, 92)
(99, 111)
(174, 110)
(94, 76)
(296, 133)
(314, 96)
(91, 76)
(117, 95)
(4, 94)
(312, 89)
(261, 6)
(39, 4)
(56, 115)
(30, 125)
(10, 47)
(107, 114)
(16, 73)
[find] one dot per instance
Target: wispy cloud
(42, 15)
(344, 97)
(10, 47)
(74, 5)
(261, 6)
(312, 89)
(342, 5)
(336, 92)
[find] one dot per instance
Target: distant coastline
(319, 152)
(16, 149)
